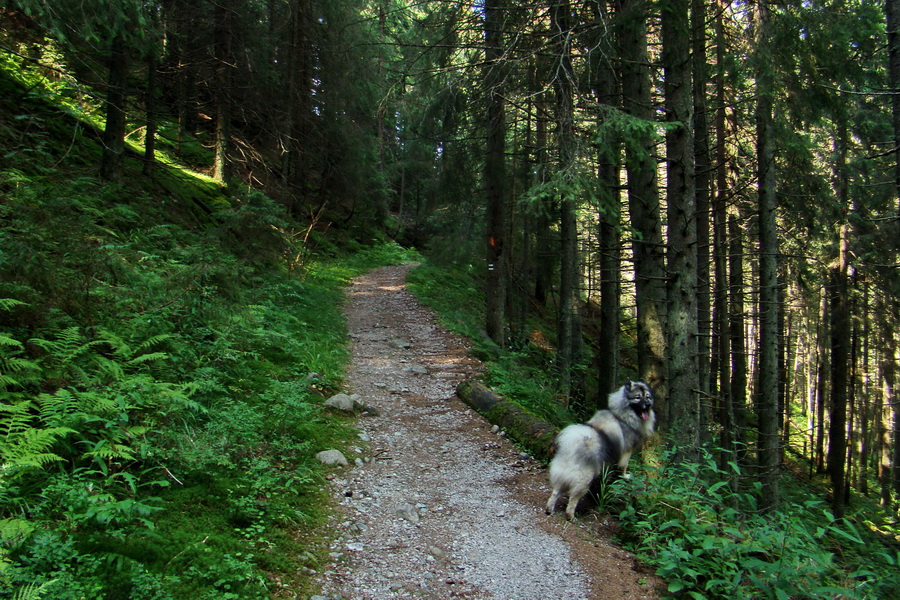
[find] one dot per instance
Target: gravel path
(439, 506)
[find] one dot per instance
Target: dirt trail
(438, 506)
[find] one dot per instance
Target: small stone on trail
(341, 402)
(407, 511)
(332, 457)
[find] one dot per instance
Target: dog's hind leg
(554, 498)
(575, 495)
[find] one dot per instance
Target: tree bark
(116, 95)
(151, 105)
(722, 359)
(495, 175)
(702, 186)
(821, 381)
(684, 385)
(299, 90)
(224, 61)
(892, 19)
(767, 390)
(568, 318)
(643, 205)
(840, 377)
(888, 411)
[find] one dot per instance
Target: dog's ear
(628, 384)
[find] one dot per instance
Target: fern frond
(6, 381)
(5, 340)
(10, 303)
(152, 356)
(118, 345)
(61, 403)
(15, 418)
(106, 450)
(64, 403)
(153, 341)
(112, 368)
(13, 531)
(31, 448)
(33, 591)
(68, 345)
(14, 364)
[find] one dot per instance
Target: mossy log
(535, 435)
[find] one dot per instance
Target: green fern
(33, 591)
(12, 365)
(16, 418)
(22, 445)
(10, 303)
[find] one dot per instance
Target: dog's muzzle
(642, 409)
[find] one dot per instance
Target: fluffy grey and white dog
(583, 452)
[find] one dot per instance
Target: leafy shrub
(709, 541)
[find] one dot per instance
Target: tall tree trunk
(380, 197)
(568, 321)
(608, 161)
(767, 374)
(610, 289)
(702, 186)
(821, 381)
(865, 396)
(116, 94)
(721, 367)
(495, 174)
(521, 276)
(736, 325)
(684, 402)
(892, 18)
(222, 93)
(841, 336)
(544, 250)
(895, 410)
(299, 90)
(840, 376)
(888, 413)
(151, 105)
(643, 204)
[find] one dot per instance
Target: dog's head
(640, 398)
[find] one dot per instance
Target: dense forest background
(704, 195)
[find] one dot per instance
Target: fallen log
(535, 435)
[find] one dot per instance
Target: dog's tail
(578, 441)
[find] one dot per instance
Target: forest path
(443, 507)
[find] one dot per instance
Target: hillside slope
(165, 344)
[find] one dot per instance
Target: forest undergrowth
(699, 524)
(165, 347)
